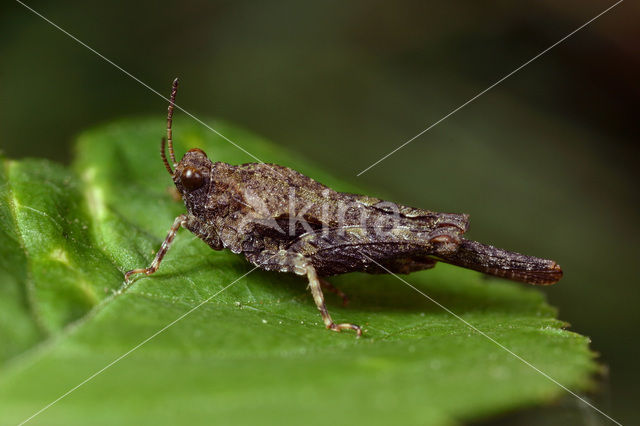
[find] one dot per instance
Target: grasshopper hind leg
(333, 289)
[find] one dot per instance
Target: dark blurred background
(545, 163)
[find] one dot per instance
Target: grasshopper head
(192, 174)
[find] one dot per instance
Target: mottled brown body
(282, 220)
(273, 215)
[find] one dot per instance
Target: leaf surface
(255, 352)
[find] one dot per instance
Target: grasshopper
(282, 220)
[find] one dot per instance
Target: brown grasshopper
(282, 220)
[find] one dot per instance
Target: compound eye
(191, 179)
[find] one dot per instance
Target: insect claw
(345, 326)
(127, 275)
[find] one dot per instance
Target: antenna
(164, 157)
(172, 101)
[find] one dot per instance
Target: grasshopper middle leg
(316, 291)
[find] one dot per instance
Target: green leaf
(53, 274)
(18, 329)
(256, 352)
